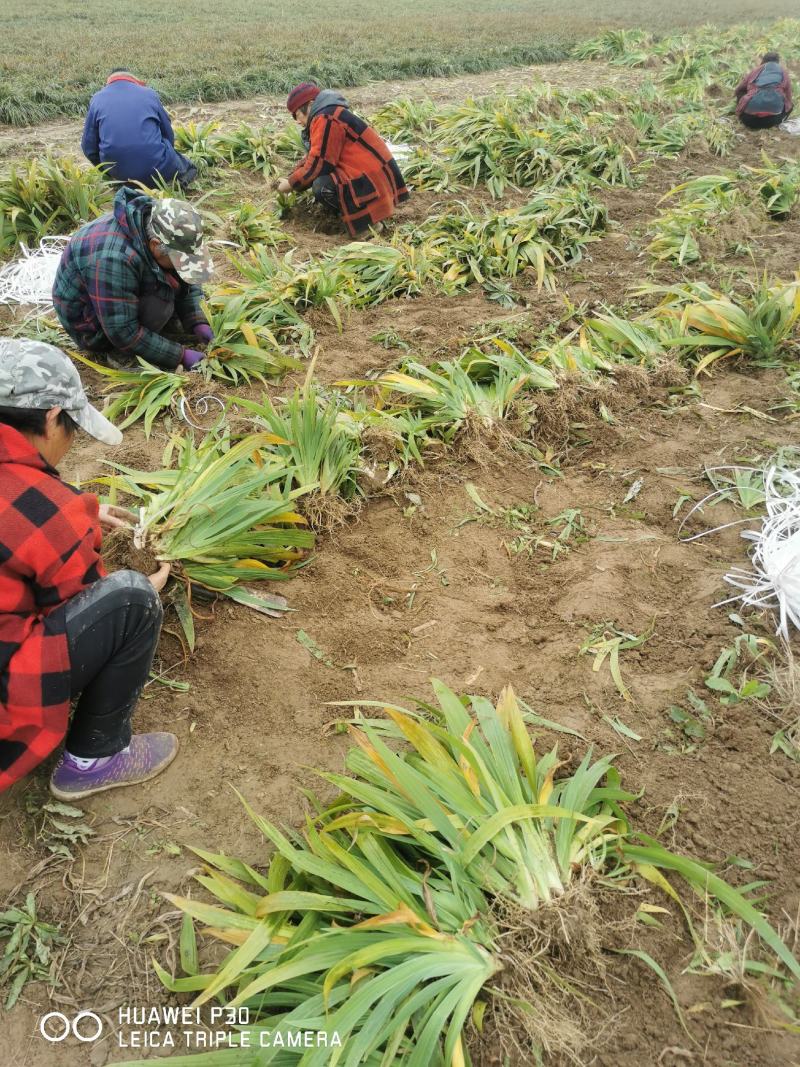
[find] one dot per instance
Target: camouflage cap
(177, 225)
(37, 375)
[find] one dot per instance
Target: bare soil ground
(419, 585)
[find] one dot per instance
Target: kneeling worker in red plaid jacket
(66, 629)
(349, 166)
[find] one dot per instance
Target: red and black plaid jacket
(367, 178)
(49, 551)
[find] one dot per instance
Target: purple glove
(191, 358)
(203, 332)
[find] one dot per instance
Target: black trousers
(112, 632)
(324, 190)
(762, 122)
(155, 314)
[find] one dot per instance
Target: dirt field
(420, 584)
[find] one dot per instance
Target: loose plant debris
(60, 829)
(692, 721)
(606, 642)
(27, 944)
(733, 691)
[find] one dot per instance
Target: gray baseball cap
(177, 225)
(37, 375)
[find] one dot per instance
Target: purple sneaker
(146, 756)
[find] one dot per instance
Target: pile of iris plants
(429, 901)
(48, 196)
(698, 208)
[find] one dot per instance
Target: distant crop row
(55, 54)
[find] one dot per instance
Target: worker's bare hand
(159, 579)
(283, 186)
(113, 518)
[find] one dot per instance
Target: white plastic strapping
(29, 279)
(400, 152)
(774, 581)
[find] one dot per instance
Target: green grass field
(56, 54)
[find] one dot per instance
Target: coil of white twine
(774, 581)
(29, 278)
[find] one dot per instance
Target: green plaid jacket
(105, 271)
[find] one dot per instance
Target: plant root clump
(669, 374)
(325, 512)
(544, 1000)
(553, 413)
(381, 446)
(120, 554)
(632, 381)
(199, 402)
(484, 444)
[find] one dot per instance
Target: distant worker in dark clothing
(348, 165)
(127, 127)
(764, 96)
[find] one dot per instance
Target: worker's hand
(203, 332)
(159, 579)
(283, 185)
(112, 517)
(191, 357)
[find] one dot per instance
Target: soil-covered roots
(120, 553)
(326, 512)
(484, 444)
(543, 1002)
(553, 414)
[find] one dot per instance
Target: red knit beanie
(301, 95)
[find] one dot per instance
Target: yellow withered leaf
(547, 786)
(372, 821)
(238, 937)
(290, 516)
(249, 335)
(422, 739)
(371, 752)
(470, 776)
(511, 717)
(418, 386)
(458, 1054)
(713, 357)
(402, 916)
(231, 937)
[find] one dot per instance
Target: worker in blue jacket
(127, 127)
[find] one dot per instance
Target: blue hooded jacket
(127, 126)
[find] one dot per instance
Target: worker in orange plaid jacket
(348, 166)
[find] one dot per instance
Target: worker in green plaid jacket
(125, 277)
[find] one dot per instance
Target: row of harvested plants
(239, 506)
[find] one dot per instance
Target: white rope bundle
(774, 581)
(29, 279)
